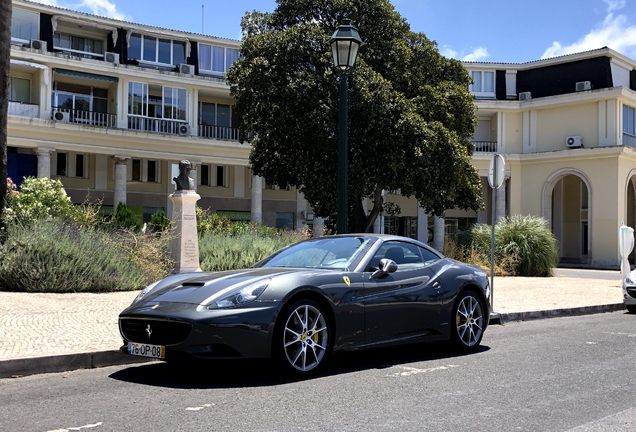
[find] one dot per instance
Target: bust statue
(183, 181)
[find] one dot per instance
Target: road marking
(89, 426)
(414, 371)
(621, 334)
(199, 407)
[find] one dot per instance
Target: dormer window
(484, 84)
(215, 59)
(25, 25)
(156, 50)
(82, 46)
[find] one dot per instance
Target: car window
(428, 256)
(406, 255)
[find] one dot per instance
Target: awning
(29, 65)
(85, 75)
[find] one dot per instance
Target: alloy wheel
(305, 336)
(469, 321)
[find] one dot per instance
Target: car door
(403, 303)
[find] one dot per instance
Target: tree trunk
(5, 55)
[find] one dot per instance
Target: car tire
(631, 309)
(468, 321)
(303, 337)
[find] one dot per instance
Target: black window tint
(428, 256)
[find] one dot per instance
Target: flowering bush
(37, 198)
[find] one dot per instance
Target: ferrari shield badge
(347, 280)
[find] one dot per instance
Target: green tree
(5, 55)
(410, 112)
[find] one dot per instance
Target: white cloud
(103, 8)
(615, 32)
(479, 53)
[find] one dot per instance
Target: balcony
(24, 109)
(157, 125)
(90, 118)
(485, 146)
(223, 133)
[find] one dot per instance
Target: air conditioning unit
(525, 96)
(574, 141)
(111, 57)
(184, 129)
(38, 45)
(583, 85)
(186, 69)
(60, 116)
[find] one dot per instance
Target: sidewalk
(58, 332)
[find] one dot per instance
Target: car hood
(201, 288)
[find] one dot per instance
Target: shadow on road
(255, 373)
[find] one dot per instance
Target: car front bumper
(192, 331)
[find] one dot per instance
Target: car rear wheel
(303, 338)
(631, 309)
(468, 321)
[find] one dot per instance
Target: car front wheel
(631, 309)
(303, 337)
(468, 321)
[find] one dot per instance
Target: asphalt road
(558, 374)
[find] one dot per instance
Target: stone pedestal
(184, 246)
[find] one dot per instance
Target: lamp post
(344, 47)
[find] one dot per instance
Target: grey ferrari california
(310, 299)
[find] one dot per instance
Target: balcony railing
(629, 140)
(219, 132)
(24, 109)
(91, 118)
(485, 146)
(155, 125)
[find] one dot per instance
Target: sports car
(299, 305)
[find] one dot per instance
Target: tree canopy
(410, 112)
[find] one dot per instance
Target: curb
(558, 313)
(65, 362)
(88, 360)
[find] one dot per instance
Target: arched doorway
(567, 199)
(630, 207)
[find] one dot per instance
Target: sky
(501, 31)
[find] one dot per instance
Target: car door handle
(436, 285)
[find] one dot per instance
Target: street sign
(496, 171)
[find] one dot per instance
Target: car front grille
(156, 332)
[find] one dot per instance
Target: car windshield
(329, 252)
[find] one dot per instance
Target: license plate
(146, 350)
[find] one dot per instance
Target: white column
(257, 199)
(301, 210)
(194, 172)
(44, 161)
(438, 233)
(121, 168)
(45, 94)
(422, 224)
(319, 226)
(500, 208)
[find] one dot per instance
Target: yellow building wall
(554, 125)
(512, 129)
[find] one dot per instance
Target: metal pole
(343, 205)
(492, 239)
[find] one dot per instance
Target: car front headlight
(240, 296)
(145, 291)
(629, 281)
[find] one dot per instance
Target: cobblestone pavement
(33, 325)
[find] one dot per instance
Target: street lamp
(344, 47)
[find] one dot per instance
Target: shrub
(222, 252)
(37, 198)
(159, 222)
(528, 242)
(125, 218)
(56, 256)
(524, 246)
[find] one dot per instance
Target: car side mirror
(385, 266)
